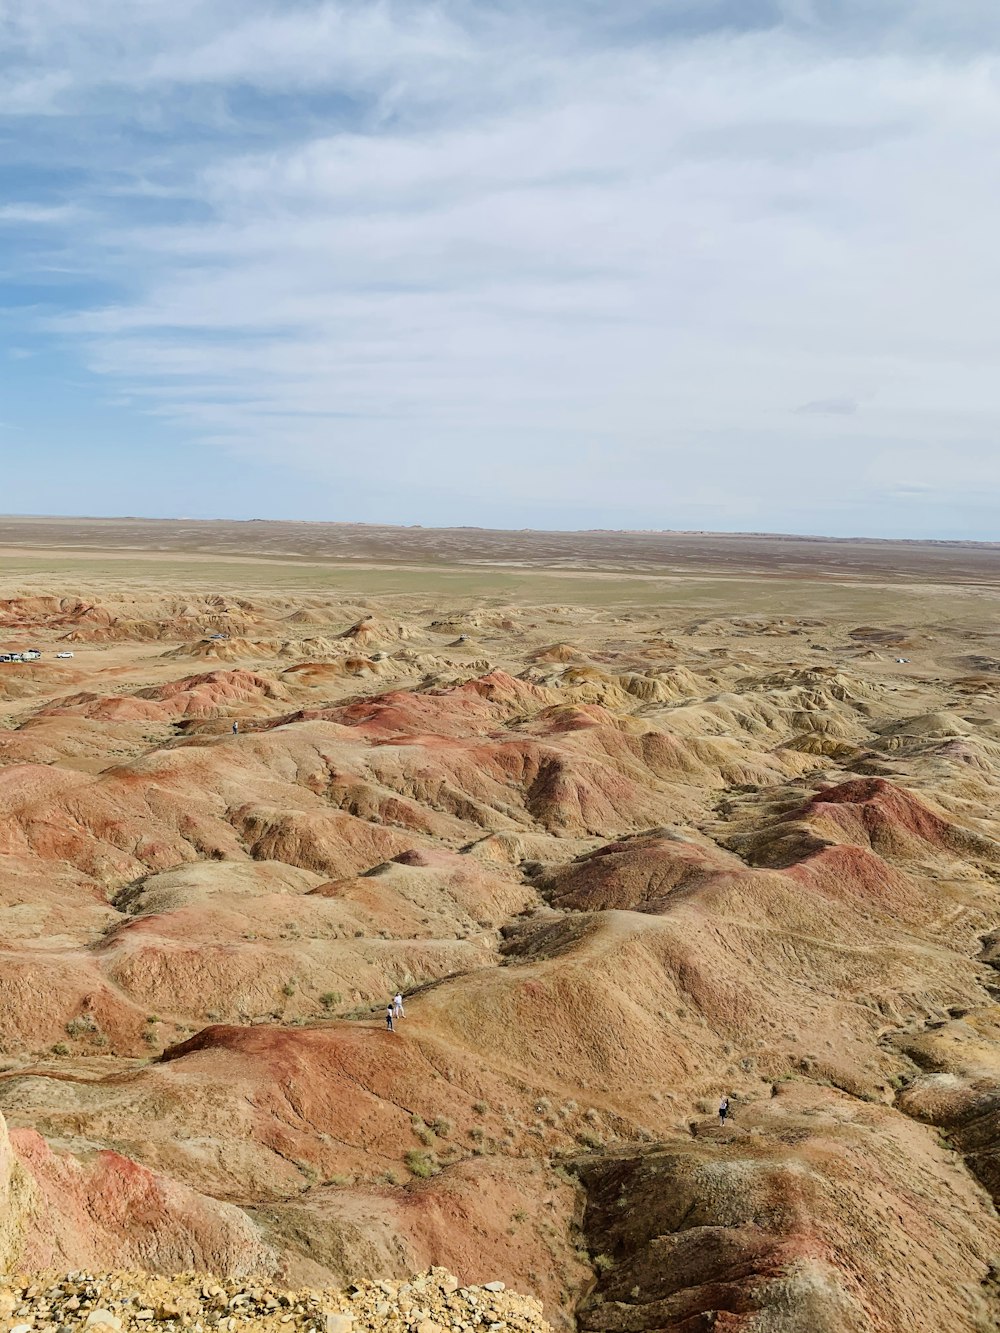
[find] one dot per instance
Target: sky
(697, 264)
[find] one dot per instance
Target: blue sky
(687, 264)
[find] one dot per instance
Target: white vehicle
(64, 654)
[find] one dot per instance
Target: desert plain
(634, 822)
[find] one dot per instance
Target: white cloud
(39, 213)
(828, 407)
(498, 251)
(322, 46)
(33, 95)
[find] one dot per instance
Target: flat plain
(633, 821)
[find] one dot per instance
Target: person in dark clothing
(388, 1017)
(236, 728)
(723, 1110)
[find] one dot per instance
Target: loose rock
(433, 1302)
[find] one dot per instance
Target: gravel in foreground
(433, 1302)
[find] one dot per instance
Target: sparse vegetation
(423, 1132)
(81, 1026)
(359, 1011)
(330, 999)
(564, 1172)
(419, 1163)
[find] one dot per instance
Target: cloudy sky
(728, 264)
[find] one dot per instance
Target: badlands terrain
(633, 822)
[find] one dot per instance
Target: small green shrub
(288, 989)
(419, 1163)
(76, 1027)
(329, 999)
(423, 1132)
(60, 1048)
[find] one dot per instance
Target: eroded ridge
(617, 864)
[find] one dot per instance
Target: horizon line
(476, 527)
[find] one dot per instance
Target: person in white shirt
(397, 1005)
